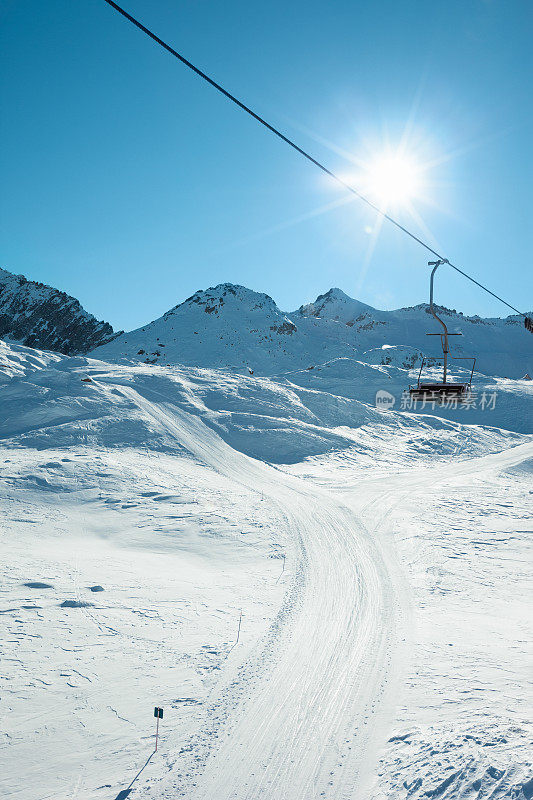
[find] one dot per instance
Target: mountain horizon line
(231, 326)
(7, 277)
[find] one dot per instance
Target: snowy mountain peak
(335, 294)
(335, 305)
(225, 325)
(43, 317)
(226, 297)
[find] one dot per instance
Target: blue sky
(130, 183)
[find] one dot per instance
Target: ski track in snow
(299, 730)
(303, 708)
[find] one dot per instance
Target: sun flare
(393, 179)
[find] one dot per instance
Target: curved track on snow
(322, 686)
(320, 682)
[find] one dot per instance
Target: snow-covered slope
(348, 622)
(231, 327)
(40, 316)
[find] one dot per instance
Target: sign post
(158, 714)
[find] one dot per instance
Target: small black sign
(158, 712)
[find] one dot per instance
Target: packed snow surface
(328, 599)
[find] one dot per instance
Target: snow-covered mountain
(233, 327)
(230, 327)
(500, 346)
(40, 316)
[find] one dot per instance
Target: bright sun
(392, 180)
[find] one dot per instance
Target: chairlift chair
(444, 390)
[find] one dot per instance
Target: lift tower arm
(444, 337)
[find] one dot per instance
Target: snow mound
(16, 360)
(398, 355)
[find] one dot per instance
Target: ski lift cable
(298, 149)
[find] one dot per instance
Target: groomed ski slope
(329, 678)
(304, 703)
(323, 678)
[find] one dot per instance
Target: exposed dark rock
(40, 316)
(38, 585)
(75, 604)
(286, 327)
